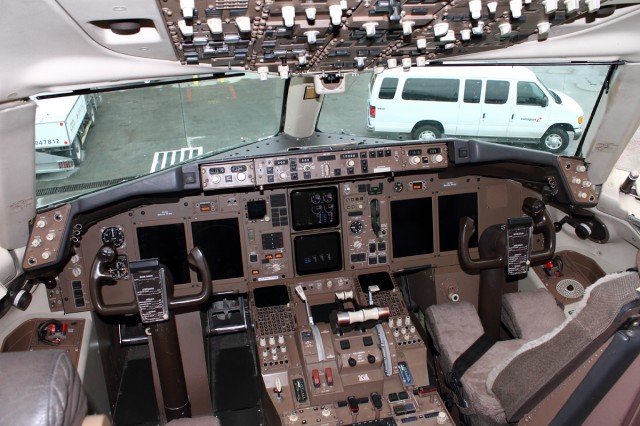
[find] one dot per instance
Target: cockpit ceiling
(295, 37)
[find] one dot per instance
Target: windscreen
(135, 130)
(544, 108)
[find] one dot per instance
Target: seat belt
(463, 363)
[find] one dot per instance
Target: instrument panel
(255, 237)
(283, 217)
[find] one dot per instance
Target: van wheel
(426, 132)
(555, 140)
(77, 153)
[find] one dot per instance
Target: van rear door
(496, 109)
(384, 114)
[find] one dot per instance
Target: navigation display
(318, 253)
(169, 245)
(315, 208)
(219, 241)
(412, 227)
(451, 208)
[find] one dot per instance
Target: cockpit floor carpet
(236, 381)
(136, 404)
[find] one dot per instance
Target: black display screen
(412, 227)
(256, 210)
(322, 313)
(315, 208)
(451, 208)
(266, 297)
(168, 244)
(381, 279)
(219, 241)
(318, 253)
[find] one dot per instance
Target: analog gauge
(113, 236)
(356, 227)
(119, 269)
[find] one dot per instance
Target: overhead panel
(295, 37)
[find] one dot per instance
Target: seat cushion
(454, 327)
(40, 388)
(530, 314)
(484, 406)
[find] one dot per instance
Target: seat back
(521, 380)
(40, 388)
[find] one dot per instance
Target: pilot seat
(504, 380)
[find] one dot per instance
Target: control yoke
(100, 276)
(542, 224)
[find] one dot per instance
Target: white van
(500, 103)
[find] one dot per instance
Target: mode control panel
(581, 189)
(313, 166)
(46, 240)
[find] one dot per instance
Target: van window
(530, 94)
(472, 91)
(388, 88)
(431, 89)
(497, 92)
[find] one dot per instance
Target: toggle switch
(244, 24)
(335, 12)
(215, 25)
(370, 28)
(475, 8)
(288, 16)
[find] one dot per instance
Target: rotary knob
(438, 158)
(414, 160)
(37, 242)
(241, 176)
(216, 179)
(350, 163)
(41, 223)
(352, 362)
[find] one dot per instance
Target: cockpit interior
(348, 212)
